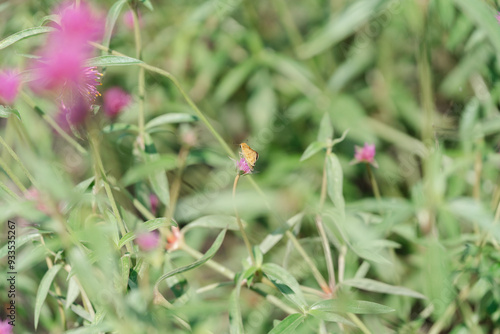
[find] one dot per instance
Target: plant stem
(12, 176)
(16, 158)
(373, 181)
(176, 185)
(141, 78)
(211, 263)
(240, 224)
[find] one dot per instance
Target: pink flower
(5, 327)
(174, 239)
(115, 99)
(365, 154)
(498, 17)
(153, 201)
(148, 241)
(128, 19)
(9, 86)
(32, 194)
(242, 166)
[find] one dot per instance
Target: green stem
(240, 224)
(373, 181)
(16, 158)
(211, 263)
(8, 191)
(12, 176)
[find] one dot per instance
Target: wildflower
(32, 194)
(243, 167)
(365, 154)
(5, 327)
(174, 239)
(148, 241)
(153, 201)
(9, 86)
(115, 99)
(498, 17)
(128, 19)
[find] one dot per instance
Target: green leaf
(170, 118)
(207, 256)
(340, 26)
(150, 225)
(286, 283)
(325, 129)
(6, 111)
(375, 286)
(331, 317)
(23, 34)
(50, 18)
(113, 13)
(233, 80)
(484, 17)
(148, 4)
(350, 306)
(110, 60)
(312, 149)
(125, 271)
(235, 320)
(73, 292)
(158, 180)
(19, 242)
(289, 324)
(214, 221)
(272, 239)
(334, 177)
(117, 127)
(43, 289)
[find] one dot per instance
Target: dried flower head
(174, 239)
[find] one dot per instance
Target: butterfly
(249, 155)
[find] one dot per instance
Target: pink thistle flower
(243, 167)
(9, 86)
(498, 17)
(128, 19)
(148, 241)
(80, 23)
(115, 99)
(153, 201)
(174, 239)
(5, 327)
(365, 154)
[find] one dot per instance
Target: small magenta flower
(5, 327)
(365, 154)
(242, 166)
(33, 195)
(174, 239)
(498, 17)
(9, 86)
(148, 241)
(115, 100)
(153, 201)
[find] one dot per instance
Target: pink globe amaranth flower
(148, 241)
(128, 19)
(153, 201)
(115, 100)
(243, 167)
(5, 327)
(365, 154)
(9, 86)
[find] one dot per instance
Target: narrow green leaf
(214, 221)
(43, 289)
(170, 118)
(148, 4)
(73, 292)
(325, 129)
(50, 18)
(19, 242)
(158, 180)
(334, 176)
(150, 225)
(289, 324)
(331, 317)
(142, 171)
(117, 127)
(272, 239)
(350, 306)
(125, 271)
(113, 13)
(312, 149)
(7, 111)
(110, 60)
(235, 320)
(23, 34)
(207, 256)
(375, 286)
(286, 283)
(233, 80)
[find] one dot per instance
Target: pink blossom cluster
(62, 69)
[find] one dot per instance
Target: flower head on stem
(365, 154)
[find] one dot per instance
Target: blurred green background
(417, 78)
